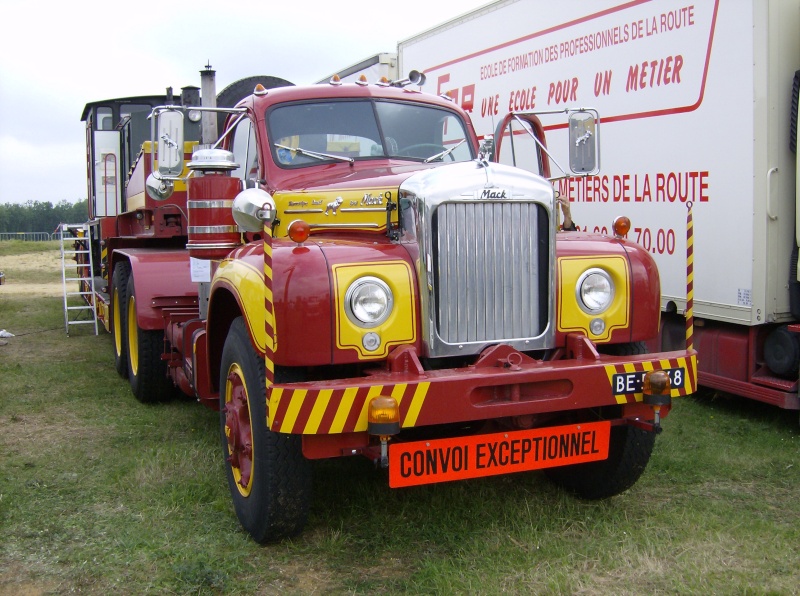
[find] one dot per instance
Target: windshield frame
(461, 143)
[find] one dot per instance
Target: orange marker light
(383, 416)
(299, 231)
(260, 90)
(622, 225)
(383, 420)
(656, 389)
(656, 382)
(362, 80)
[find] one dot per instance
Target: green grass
(100, 494)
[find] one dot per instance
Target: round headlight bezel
(356, 311)
(586, 291)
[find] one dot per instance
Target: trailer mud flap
(443, 460)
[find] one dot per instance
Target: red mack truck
(345, 270)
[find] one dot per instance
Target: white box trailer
(696, 107)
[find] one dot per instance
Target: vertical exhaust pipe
(208, 89)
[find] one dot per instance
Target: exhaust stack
(208, 89)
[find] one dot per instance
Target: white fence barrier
(27, 236)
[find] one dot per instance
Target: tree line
(41, 216)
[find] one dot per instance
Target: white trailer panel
(695, 103)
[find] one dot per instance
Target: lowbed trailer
(343, 271)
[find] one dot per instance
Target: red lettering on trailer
(682, 187)
(468, 97)
(602, 83)
(490, 106)
(662, 187)
(654, 73)
(675, 19)
(522, 99)
(563, 91)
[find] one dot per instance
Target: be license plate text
(626, 383)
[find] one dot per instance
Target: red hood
(339, 176)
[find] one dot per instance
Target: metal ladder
(80, 244)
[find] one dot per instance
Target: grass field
(100, 494)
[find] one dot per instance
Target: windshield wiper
(444, 153)
(316, 154)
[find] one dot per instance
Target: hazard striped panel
(626, 379)
(340, 410)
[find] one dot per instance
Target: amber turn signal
(622, 225)
(299, 231)
(383, 416)
(656, 388)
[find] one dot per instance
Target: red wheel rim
(239, 430)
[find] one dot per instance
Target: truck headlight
(595, 291)
(368, 302)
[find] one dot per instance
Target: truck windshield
(309, 133)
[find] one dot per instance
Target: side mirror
(584, 142)
(158, 188)
(169, 139)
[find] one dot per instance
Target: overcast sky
(57, 56)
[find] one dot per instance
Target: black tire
(268, 477)
(119, 304)
(147, 372)
(629, 451)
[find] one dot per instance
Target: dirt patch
(48, 289)
(36, 274)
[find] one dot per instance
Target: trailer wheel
(119, 303)
(147, 372)
(629, 451)
(268, 477)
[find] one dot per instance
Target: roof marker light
(622, 226)
(362, 80)
(335, 80)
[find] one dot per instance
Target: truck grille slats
(486, 273)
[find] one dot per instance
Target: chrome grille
(488, 271)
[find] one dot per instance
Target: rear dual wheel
(147, 372)
(119, 304)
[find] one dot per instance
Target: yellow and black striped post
(271, 342)
(689, 277)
